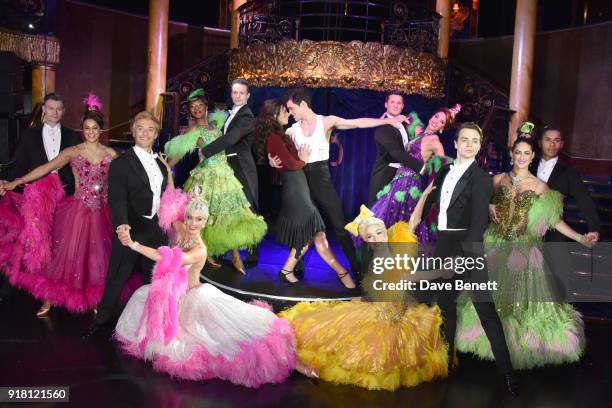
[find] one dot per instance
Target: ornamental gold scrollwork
(354, 65)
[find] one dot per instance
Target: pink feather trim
(172, 207)
(517, 262)
(266, 360)
(37, 209)
(262, 304)
(169, 283)
(92, 101)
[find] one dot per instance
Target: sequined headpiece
(363, 220)
(197, 204)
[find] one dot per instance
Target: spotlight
(31, 26)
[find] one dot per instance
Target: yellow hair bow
(364, 214)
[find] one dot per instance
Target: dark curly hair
(266, 123)
(94, 115)
(523, 139)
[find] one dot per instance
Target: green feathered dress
(539, 330)
(231, 223)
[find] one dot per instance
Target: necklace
(517, 180)
(186, 245)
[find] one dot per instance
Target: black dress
(298, 220)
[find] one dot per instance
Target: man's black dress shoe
(511, 384)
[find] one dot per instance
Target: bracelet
(134, 245)
(580, 238)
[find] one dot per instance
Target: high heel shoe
(211, 261)
(282, 277)
(345, 274)
(44, 310)
(306, 370)
(237, 263)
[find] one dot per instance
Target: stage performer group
(85, 228)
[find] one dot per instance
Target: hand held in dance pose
(304, 153)
(417, 213)
(493, 214)
(275, 162)
(188, 239)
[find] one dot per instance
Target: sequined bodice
(92, 180)
(415, 151)
(209, 136)
(513, 211)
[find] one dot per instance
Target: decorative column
(522, 64)
(43, 81)
(157, 53)
(235, 27)
(443, 7)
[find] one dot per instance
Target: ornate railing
(400, 23)
(485, 104)
(260, 23)
(211, 74)
(413, 27)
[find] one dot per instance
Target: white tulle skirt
(218, 337)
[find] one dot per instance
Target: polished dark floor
(48, 351)
(37, 352)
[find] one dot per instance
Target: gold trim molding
(31, 48)
(353, 65)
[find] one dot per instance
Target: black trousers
(123, 260)
(450, 244)
(325, 197)
(234, 162)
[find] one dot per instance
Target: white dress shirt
(155, 177)
(446, 193)
(52, 139)
(405, 140)
(546, 167)
(232, 112)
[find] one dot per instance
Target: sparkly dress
(539, 331)
(202, 333)
(74, 274)
(381, 345)
(396, 201)
(231, 224)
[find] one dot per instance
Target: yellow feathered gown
(375, 345)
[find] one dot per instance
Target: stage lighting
(31, 26)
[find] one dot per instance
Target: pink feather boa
(32, 248)
(169, 283)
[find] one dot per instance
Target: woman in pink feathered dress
(194, 331)
(55, 247)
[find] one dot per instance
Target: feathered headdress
(197, 94)
(92, 102)
(455, 110)
(527, 128)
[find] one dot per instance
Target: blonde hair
(146, 116)
(368, 222)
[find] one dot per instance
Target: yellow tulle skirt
(375, 345)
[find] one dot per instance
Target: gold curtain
(353, 65)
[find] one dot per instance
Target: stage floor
(48, 351)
